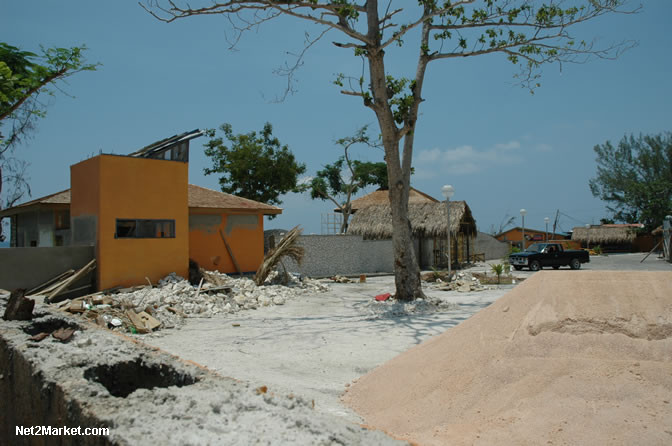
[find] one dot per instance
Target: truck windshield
(537, 247)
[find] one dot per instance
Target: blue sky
(500, 147)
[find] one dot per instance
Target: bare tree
(527, 32)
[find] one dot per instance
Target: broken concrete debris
(144, 309)
(462, 282)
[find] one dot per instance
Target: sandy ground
(567, 357)
(317, 345)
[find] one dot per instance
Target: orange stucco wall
(118, 187)
(243, 232)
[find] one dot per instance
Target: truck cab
(540, 255)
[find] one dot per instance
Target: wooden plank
(137, 321)
(55, 285)
(228, 248)
(149, 321)
(50, 282)
(78, 275)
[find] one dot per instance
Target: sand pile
(567, 357)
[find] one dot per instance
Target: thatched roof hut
(381, 197)
(606, 234)
(428, 220)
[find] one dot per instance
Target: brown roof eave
(24, 209)
(238, 210)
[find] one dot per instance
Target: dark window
(142, 228)
(62, 219)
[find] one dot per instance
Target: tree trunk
(406, 269)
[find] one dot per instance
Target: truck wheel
(517, 268)
(535, 265)
(575, 264)
(556, 266)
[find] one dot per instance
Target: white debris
(175, 298)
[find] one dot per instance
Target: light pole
(448, 192)
(523, 213)
(588, 237)
(546, 220)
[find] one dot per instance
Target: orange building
(134, 210)
(144, 219)
(515, 236)
(226, 233)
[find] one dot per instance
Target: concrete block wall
(29, 267)
(328, 255)
(493, 248)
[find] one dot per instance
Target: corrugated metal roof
(167, 142)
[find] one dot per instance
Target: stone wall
(328, 255)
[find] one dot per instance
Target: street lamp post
(546, 220)
(523, 213)
(588, 236)
(448, 192)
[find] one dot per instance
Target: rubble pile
(144, 308)
(392, 308)
(462, 282)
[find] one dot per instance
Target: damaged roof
(199, 197)
(157, 146)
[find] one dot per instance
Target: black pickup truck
(539, 255)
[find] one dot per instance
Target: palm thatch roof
(381, 196)
(605, 234)
(428, 220)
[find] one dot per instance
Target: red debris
(383, 297)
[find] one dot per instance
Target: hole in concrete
(123, 378)
(49, 325)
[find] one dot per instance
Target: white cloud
(423, 174)
(543, 147)
(429, 155)
(304, 180)
(511, 145)
(467, 159)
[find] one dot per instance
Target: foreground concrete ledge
(102, 379)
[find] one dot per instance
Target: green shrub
(497, 269)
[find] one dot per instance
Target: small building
(144, 219)
(514, 236)
(614, 237)
(429, 227)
